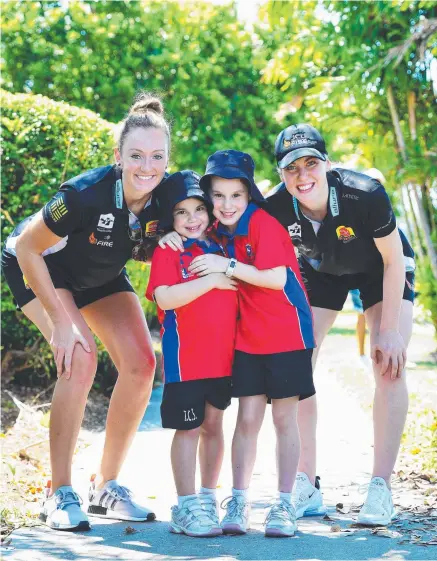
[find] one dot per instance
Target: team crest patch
(345, 234)
(106, 222)
(151, 228)
(57, 209)
(295, 230)
(287, 143)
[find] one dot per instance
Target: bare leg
(70, 396)
(361, 333)
(183, 460)
(250, 417)
(118, 320)
(287, 441)
(390, 404)
(211, 446)
(307, 411)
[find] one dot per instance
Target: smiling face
(230, 198)
(191, 219)
(143, 159)
(306, 180)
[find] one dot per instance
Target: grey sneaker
(236, 519)
(209, 503)
(281, 521)
(62, 510)
(193, 520)
(115, 501)
(378, 509)
(306, 498)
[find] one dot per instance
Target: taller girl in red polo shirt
(274, 333)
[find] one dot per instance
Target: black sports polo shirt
(358, 211)
(90, 214)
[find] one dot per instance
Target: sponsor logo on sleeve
(333, 202)
(350, 196)
(345, 234)
(151, 228)
(57, 209)
(103, 243)
(106, 222)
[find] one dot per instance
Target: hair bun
(146, 102)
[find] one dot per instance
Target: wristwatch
(231, 267)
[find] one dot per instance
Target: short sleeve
(381, 217)
(272, 245)
(64, 212)
(165, 270)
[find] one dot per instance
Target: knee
(140, 365)
(283, 421)
(212, 427)
(84, 366)
(248, 425)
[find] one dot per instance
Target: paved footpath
(345, 463)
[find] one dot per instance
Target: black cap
(176, 188)
(232, 164)
(297, 142)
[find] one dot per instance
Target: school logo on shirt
(189, 415)
(106, 222)
(295, 231)
(151, 228)
(345, 234)
(57, 209)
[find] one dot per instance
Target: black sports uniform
(90, 214)
(342, 255)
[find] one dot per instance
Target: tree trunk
(412, 237)
(418, 246)
(411, 99)
(432, 254)
(396, 124)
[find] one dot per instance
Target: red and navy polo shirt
(198, 339)
(271, 321)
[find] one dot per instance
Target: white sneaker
(378, 509)
(62, 510)
(236, 519)
(116, 501)
(281, 520)
(193, 520)
(306, 498)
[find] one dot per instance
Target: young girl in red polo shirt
(198, 316)
(274, 333)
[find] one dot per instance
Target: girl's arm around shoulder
(177, 295)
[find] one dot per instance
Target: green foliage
(44, 143)
(98, 54)
(426, 286)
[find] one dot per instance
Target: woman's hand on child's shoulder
(222, 282)
(206, 264)
(172, 240)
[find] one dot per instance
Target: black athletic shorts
(330, 291)
(23, 294)
(277, 375)
(183, 403)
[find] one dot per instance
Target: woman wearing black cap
(65, 267)
(343, 224)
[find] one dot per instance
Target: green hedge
(45, 143)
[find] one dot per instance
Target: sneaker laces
(281, 511)
(234, 507)
(120, 492)
(66, 498)
(375, 496)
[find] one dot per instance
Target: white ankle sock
(286, 497)
(183, 498)
(207, 491)
(240, 493)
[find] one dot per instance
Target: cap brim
(228, 172)
(300, 153)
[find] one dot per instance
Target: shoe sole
(83, 526)
(102, 512)
(211, 534)
(276, 533)
(318, 511)
(375, 522)
(234, 529)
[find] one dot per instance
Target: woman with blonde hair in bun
(65, 266)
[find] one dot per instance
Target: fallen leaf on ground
(384, 533)
(130, 530)
(341, 508)
(335, 528)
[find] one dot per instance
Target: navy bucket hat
(176, 188)
(232, 164)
